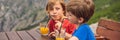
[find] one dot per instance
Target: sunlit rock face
(21, 14)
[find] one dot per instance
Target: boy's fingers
(51, 33)
(56, 31)
(58, 24)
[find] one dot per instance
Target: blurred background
(16, 15)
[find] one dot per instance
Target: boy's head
(80, 11)
(56, 9)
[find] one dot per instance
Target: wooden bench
(22, 35)
(108, 30)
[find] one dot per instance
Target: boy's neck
(78, 25)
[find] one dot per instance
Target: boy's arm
(67, 35)
(73, 38)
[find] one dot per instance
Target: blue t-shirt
(84, 33)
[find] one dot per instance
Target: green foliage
(106, 8)
(103, 8)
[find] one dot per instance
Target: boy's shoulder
(84, 27)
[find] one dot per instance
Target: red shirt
(66, 24)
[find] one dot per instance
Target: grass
(112, 11)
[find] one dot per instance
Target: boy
(56, 10)
(79, 12)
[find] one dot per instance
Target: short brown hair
(81, 8)
(51, 3)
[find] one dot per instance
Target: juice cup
(44, 30)
(60, 38)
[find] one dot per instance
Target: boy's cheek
(70, 19)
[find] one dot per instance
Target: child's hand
(61, 32)
(51, 34)
(73, 38)
(54, 33)
(58, 25)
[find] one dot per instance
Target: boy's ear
(80, 20)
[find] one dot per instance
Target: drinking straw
(47, 21)
(61, 26)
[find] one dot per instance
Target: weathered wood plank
(13, 36)
(112, 35)
(34, 34)
(100, 38)
(38, 31)
(109, 24)
(24, 35)
(3, 36)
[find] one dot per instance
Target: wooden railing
(22, 35)
(108, 30)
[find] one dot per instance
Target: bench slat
(13, 36)
(3, 36)
(38, 31)
(24, 35)
(35, 34)
(109, 24)
(112, 35)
